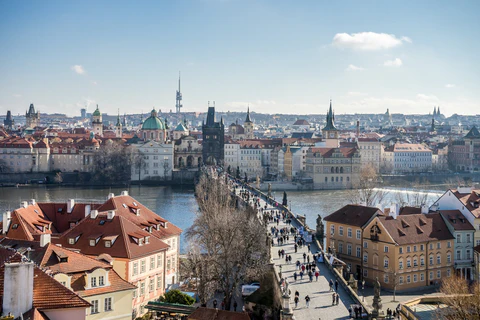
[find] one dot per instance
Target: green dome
(153, 123)
(96, 112)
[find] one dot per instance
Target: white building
(370, 152)
(406, 158)
(157, 161)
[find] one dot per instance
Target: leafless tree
(166, 168)
(227, 244)
(58, 178)
(462, 299)
(416, 197)
(365, 188)
(113, 164)
(4, 166)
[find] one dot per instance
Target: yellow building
(407, 251)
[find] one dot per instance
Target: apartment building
(406, 158)
(370, 152)
(345, 234)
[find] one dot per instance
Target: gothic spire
(247, 120)
(330, 119)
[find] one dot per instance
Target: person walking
(316, 275)
(296, 247)
(304, 257)
(307, 300)
(331, 285)
(295, 276)
(301, 275)
(337, 297)
(308, 248)
(296, 301)
(297, 294)
(336, 285)
(310, 276)
(333, 299)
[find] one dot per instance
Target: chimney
(17, 288)
(32, 202)
(110, 196)
(24, 204)
(394, 210)
(45, 239)
(93, 214)
(425, 209)
(87, 210)
(70, 205)
(110, 214)
(7, 219)
(124, 193)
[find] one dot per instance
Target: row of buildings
(111, 258)
(409, 247)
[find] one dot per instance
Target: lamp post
(363, 290)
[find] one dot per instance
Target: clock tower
(330, 132)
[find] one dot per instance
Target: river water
(178, 205)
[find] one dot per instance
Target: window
(159, 260)
(101, 281)
(468, 238)
(449, 244)
(422, 247)
(468, 255)
(135, 293)
(408, 248)
(430, 260)
(349, 234)
(431, 246)
(168, 263)
(400, 280)
(93, 281)
(400, 250)
(332, 229)
(422, 277)
(449, 258)
(142, 266)
(385, 249)
(415, 278)
(414, 248)
(92, 243)
(415, 262)
(385, 278)
(359, 234)
(152, 263)
(349, 249)
(448, 273)
(152, 285)
(94, 307)
(135, 268)
(439, 274)
(385, 263)
(422, 261)
(409, 263)
(430, 275)
(142, 289)
(340, 247)
(365, 273)
(365, 258)
(408, 279)
(159, 282)
(400, 264)
(365, 244)
(439, 245)
(108, 304)
(340, 231)
(71, 241)
(358, 252)
(459, 255)
(439, 260)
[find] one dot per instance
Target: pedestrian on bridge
(336, 285)
(307, 300)
(337, 297)
(333, 298)
(296, 301)
(331, 284)
(295, 276)
(316, 275)
(304, 257)
(296, 247)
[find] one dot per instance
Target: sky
(274, 56)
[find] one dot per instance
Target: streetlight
(363, 290)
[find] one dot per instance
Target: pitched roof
(473, 133)
(28, 223)
(61, 219)
(470, 200)
(457, 220)
(415, 228)
(125, 245)
(301, 122)
(352, 214)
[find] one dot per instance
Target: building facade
(213, 145)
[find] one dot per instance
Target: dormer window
(101, 281)
(124, 205)
(71, 241)
(72, 224)
(108, 244)
(140, 242)
(93, 282)
(147, 240)
(92, 243)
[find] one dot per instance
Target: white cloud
(368, 41)
(393, 63)
(422, 96)
(94, 83)
(449, 85)
(356, 93)
(352, 67)
(78, 69)
(16, 95)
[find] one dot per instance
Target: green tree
(176, 296)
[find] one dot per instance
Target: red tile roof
(470, 200)
(456, 219)
(354, 215)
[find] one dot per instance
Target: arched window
(151, 135)
(336, 169)
(341, 170)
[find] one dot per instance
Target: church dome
(96, 113)
(153, 122)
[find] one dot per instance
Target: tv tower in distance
(178, 104)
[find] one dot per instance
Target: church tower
(9, 123)
(97, 122)
(118, 127)
(32, 118)
(213, 139)
(248, 126)
(330, 132)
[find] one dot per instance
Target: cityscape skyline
(275, 57)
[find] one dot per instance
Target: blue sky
(277, 56)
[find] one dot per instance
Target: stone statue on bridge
(320, 234)
(269, 194)
(377, 301)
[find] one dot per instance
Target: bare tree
(365, 188)
(227, 245)
(416, 197)
(113, 164)
(166, 168)
(4, 166)
(462, 299)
